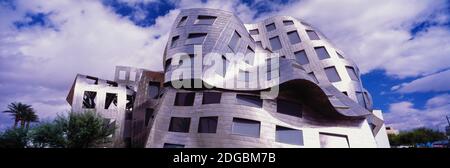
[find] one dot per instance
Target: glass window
(207, 125)
(89, 99)
(249, 100)
(153, 90)
(179, 124)
(289, 108)
(148, 115)
(311, 74)
(275, 43)
(301, 57)
(195, 38)
(130, 103)
(174, 41)
(184, 99)
(169, 145)
(182, 21)
(254, 32)
(249, 55)
(270, 27)
(321, 53)
(293, 37)
(234, 40)
(351, 72)
(168, 65)
(360, 97)
(288, 22)
(289, 135)
(328, 140)
(211, 97)
(222, 70)
(312, 35)
(205, 20)
(332, 74)
(111, 101)
(246, 127)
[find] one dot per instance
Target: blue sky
(402, 47)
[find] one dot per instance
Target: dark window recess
(275, 43)
(289, 135)
(294, 38)
(169, 145)
(207, 125)
(288, 22)
(112, 84)
(205, 20)
(182, 21)
(89, 99)
(92, 80)
(153, 90)
(322, 53)
(312, 35)
(184, 99)
(345, 93)
(174, 41)
(168, 64)
(148, 115)
(270, 27)
(332, 74)
(249, 100)
(179, 124)
(259, 43)
(128, 116)
(246, 127)
(351, 72)
(254, 32)
(289, 108)
(301, 57)
(111, 99)
(211, 97)
(130, 103)
(234, 40)
(195, 38)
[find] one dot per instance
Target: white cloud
(437, 82)
(404, 116)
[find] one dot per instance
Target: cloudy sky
(401, 46)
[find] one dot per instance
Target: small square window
(351, 72)
(179, 124)
(270, 27)
(195, 38)
(205, 20)
(89, 99)
(293, 37)
(332, 74)
(184, 99)
(153, 90)
(182, 21)
(288, 22)
(322, 53)
(211, 97)
(207, 125)
(275, 43)
(312, 35)
(254, 32)
(111, 101)
(246, 127)
(289, 135)
(249, 100)
(301, 57)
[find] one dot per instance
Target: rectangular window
(328, 140)
(153, 90)
(179, 124)
(312, 35)
(289, 108)
(311, 74)
(332, 74)
(301, 57)
(168, 65)
(249, 55)
(184, 99)
(112, 83)
(222, 70)
(270, 27)
(130, 103)
(195, 38)
(275, 43)
(174, 41)
(360, 97)
(211, 97)
(244, 75)
(249, 100)
(254, 32)
(294, 38)
(288, 22)
(111, 101)
(122, 75)
(205, 20)
(246, 127)
(89, 99)
(321, 53)
(234, 40)
(207, 125)
(169, 145)
(148, 115)
(351, 72)
(289, 135)
(182, 21)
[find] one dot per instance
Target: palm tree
(21, 112)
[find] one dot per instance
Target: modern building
(276, 83)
